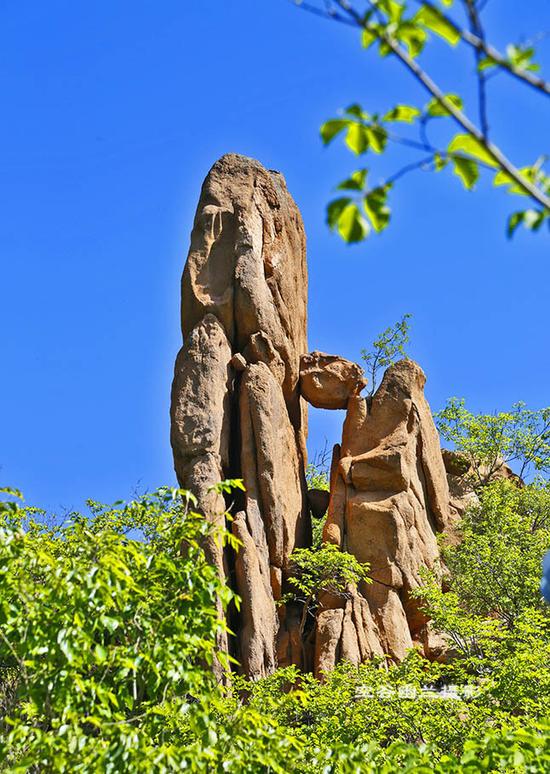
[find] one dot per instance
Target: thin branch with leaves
(389, 24)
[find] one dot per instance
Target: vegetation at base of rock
(402, 31)
(108, 623)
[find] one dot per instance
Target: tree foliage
(107, 642)
(386, 349)
(327, 570)
(489, 441)
(405, 31)
(108, 626)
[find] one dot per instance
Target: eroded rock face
(389, 498)
(236, 410)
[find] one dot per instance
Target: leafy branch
(386, 349)
(405, 37)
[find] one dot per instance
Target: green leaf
(503, 178)
(357, 138)
(344, 216)
(467, 170)
(531, 219)
(465, 143)
(330, 129)
(405, 113)
(368, 37)
(65, 645)
(435, 21)
(352, 226)
(100, 653)
(335, 209)
(435, 109)
(412, 36)
(377, 138)
(13, 492)
(440, 162)
(357, 111)
(393, 10)
(486, 63)
(376, 208)
(111, 624)
(521, 57)
(356, 182)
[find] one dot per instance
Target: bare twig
(477, 28)
(327, 13)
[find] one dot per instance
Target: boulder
(318, 500)
(329, 381)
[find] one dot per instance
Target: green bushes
(108, 629)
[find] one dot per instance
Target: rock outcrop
(241, 382)
(236, 409)
(389, 498)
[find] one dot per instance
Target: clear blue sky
(113, 112)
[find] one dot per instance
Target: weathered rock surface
(461, 490)
(345, 630)
(389, 497)
(200, 423)
(259, 624)
(236, 409)
(328, 381)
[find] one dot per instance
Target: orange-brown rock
(345, 629)
(389, 498)
(200, 423)
(259, 624)
(465, 480)
(271, 466)
(236, 409)
(328, 381)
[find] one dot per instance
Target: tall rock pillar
(389, 499)
(236, 409)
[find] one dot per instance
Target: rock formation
(389, 498)
(241, 382)
(329, 381)
(236, 410)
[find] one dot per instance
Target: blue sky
(113, 112)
